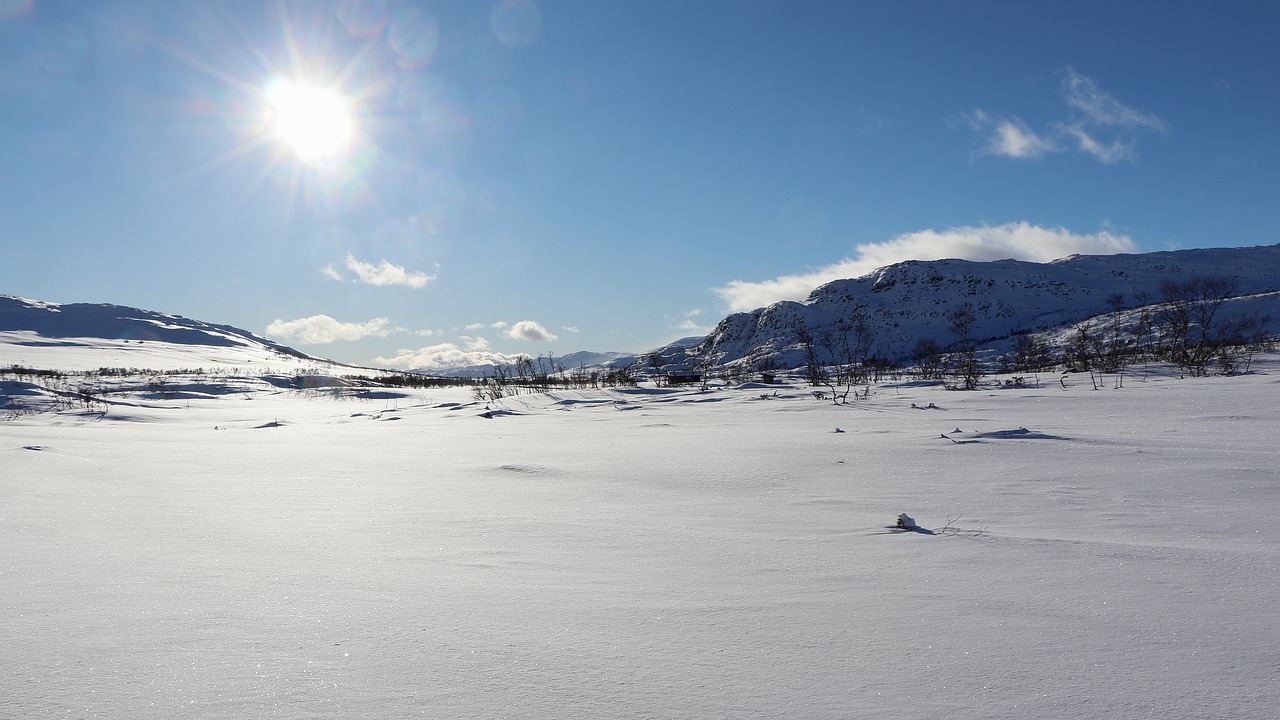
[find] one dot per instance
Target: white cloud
(322, 329)
(687, 323)
(382, 273)
(1101, 108)
(1012, 138)
(691, 327)
(441, 357)
(1019, 241)
(531, 331)
(569, 328)
(469, 350)
(474, 326)
(1097, 124)
(499, 325)
(477, 344)
(1111, 152)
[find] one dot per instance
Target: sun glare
(316, 123)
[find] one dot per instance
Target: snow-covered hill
(899, 305)
(38, 334)
(905, 302)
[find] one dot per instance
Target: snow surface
(232, 549)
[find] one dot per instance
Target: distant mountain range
(571, 361)
(894, 308)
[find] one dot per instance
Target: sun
(316, 122)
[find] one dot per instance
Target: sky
(418, 184)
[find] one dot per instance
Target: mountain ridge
(914, 299)
(895, 307)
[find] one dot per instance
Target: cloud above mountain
(380, 273)
(1018, 241)
(473, 351)
(531, 331)
(322, 329)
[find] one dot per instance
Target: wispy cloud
(1097, 107)
(1096, 124)
(688, 322)
(1107, 152)
(531, 331)
(380, 273)
(1019, 241)
(322, 329)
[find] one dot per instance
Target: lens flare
(413, 36)
(317, 123)
(516, 23)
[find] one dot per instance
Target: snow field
(648, 554)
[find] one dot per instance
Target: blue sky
(531, 176)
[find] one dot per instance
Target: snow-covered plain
(231, 549)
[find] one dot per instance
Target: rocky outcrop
(900, 304)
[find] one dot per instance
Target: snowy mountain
(35, 333)
(903, 303)
(893, 307)
(39, 334)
